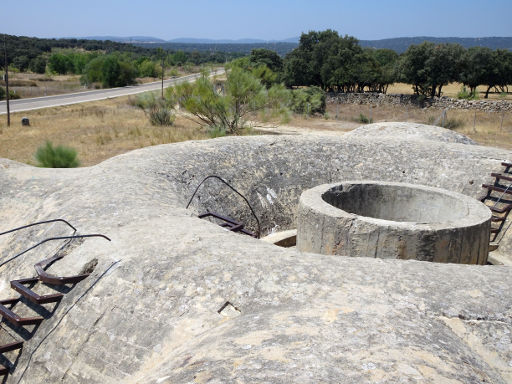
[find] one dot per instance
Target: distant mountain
(400, 44)
(291, 40)
(129, 39)
(190, 40)
(187, 40)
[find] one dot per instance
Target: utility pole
(7, 83)
(163, 70)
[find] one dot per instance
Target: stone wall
(419, 101)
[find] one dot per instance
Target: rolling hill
(398, 44)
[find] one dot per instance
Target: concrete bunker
(174, 272)
(393, 220)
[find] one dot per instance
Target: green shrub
(159, 111)
(48, 156)
(230, 104)
(161, 114)
(13, 95)
(364, 120)
(38, 65)
(466, 95)
(60, 63)
(148, 68)
(308, 101)
(108, 70)
(13, 69)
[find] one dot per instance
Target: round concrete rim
(312, 198)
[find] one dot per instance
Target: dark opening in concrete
(396, 202)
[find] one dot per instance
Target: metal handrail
(38, 223)
(495, 238)
(52, 239)
(502, 194)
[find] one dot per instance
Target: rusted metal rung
(237, 228)
(500, 176)
(11, 301)
(497, 189)
(506, 164)
(495, 230)
(249, 233)
(19, 286)
(497, 219)
(14, 319)
(11, 346)
(500, 210)
(229, 223)
(4, 371)
(231, 227)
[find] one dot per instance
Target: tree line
(238, 49)
(120, 63)
(323, 59)
(339, 64)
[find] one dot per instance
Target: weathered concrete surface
(393, 220)
(292, 317)
(410, 131)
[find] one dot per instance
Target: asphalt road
(100, 94)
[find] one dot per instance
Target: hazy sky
(264, 19)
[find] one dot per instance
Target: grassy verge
(97, 130)
(28, 84)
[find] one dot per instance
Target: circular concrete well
(393, 220)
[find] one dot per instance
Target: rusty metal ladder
(497, 200)
(25, 287)
(225, 221)
(228, 223)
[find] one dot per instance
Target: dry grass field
(97, 130)
(486, 128)
(102, 129)
(449, 90)
(36, 85)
